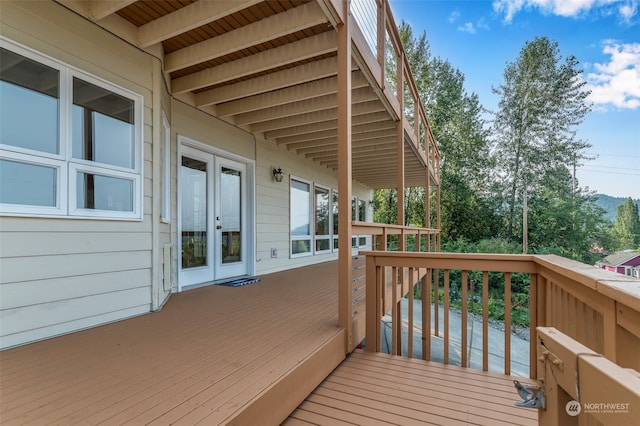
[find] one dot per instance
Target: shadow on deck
(236, 355)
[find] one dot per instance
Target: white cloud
(471, 28)
(454, 16)
(617, 82)
(627, 9)
(467, 28)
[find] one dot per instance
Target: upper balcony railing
(377, 39)
(583, 323)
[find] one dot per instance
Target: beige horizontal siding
(58, 275)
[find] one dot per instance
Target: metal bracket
(532, 396)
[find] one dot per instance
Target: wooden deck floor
(247, 356)
(212, 355)
(379, 389)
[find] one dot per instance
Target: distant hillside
(610, 204)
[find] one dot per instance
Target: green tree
(626, 228)
(543, 100)
(456, 120)
(563, 221)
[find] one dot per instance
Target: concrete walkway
(519, 346)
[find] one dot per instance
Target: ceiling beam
(333, 132)
(301, 107)
(273, 58)
(100, 9)
(278, 80)
(282, 24)
(300, 92)
(187, 18)
(309, 118)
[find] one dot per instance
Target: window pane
(323, 244)
(103, 125)
(362, 241)
(29, 93)
(300, 208)
(300, 246)
(27, 184)
(104, 193)
(322, 211)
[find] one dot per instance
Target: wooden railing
(422, 239)
(596, 308)
(580, 386)
(377, 40)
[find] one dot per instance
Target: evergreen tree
(626, 229)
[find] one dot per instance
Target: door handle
(219, 227)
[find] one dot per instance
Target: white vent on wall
(167, 266)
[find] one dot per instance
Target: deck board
(207, 354)
(221, 355)
(372, 388)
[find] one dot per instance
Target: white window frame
(166, 170)
(311, 206)
(334, 232)
(329, 236)
(63, 162)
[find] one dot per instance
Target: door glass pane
(103, 125)
(334, 208)
(27, 184)
(29, 93)
(362, 210)
(193, 187)
(230, 219)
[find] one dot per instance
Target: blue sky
(480, 37)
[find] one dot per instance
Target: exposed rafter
(267, 29)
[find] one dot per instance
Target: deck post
(400, 149)
(344, 177)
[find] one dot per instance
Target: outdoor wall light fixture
(278, 174)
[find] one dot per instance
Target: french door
(213, 231)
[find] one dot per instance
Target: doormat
(240, 281)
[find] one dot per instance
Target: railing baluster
(394, 310)
(426, 315)
(507, 323)
(446, 317)
(436, 313)
(410, 315)
(398, 321)
(533, 323)
(485, 321)
(463, 340)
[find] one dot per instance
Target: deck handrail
(380, 232)
(594, 307)
(576, 380)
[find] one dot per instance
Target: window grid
(116, 166)
(322, 234)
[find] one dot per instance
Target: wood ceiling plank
(188, 18)
(295, 93)
(278, 80)
(262, 31)
(301, 107)
(280, 56)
